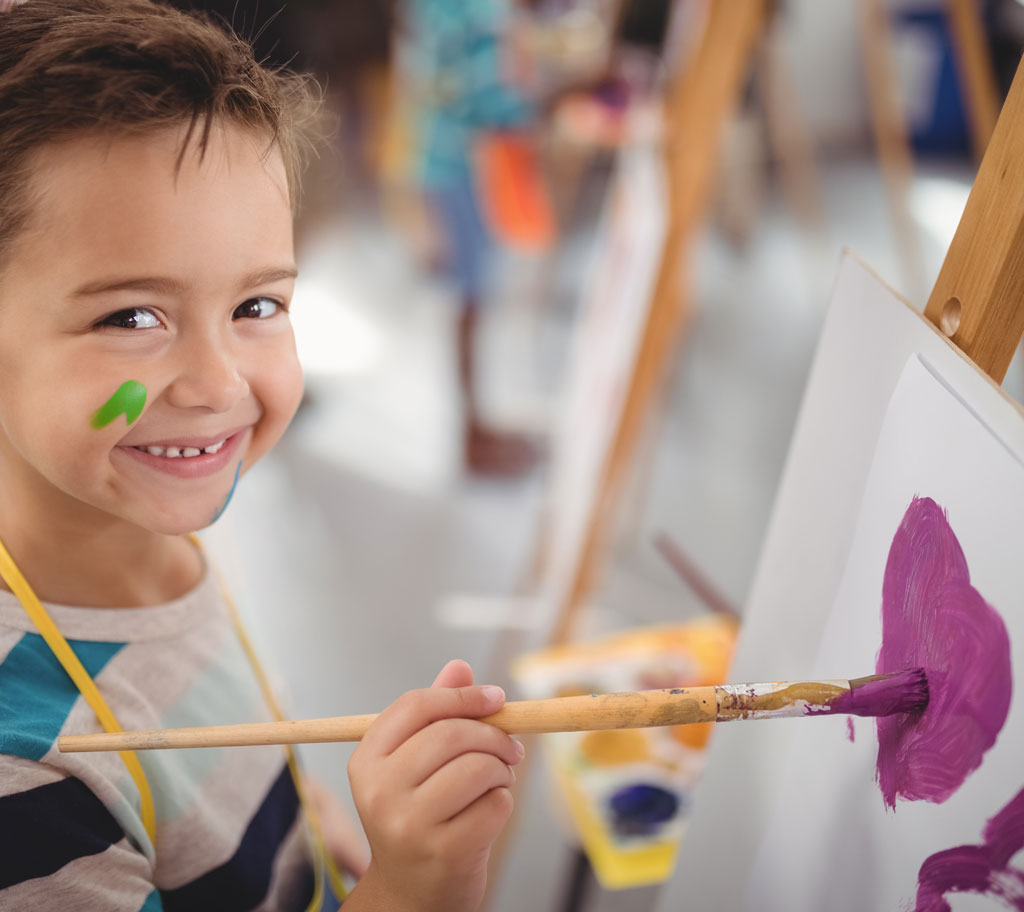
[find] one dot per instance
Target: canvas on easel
(934, 577)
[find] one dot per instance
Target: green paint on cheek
(130, 398)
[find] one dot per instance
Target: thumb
(456, 673)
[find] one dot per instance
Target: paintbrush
(877, 695)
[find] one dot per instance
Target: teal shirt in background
(453, 58)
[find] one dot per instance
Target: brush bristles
(918, 699)
(888, 694)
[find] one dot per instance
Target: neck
(83, 556)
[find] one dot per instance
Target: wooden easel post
(977, 75)
(978, 299)
(788, 134)
(892, 138)
(699, 101)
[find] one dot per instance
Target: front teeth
(182, 452)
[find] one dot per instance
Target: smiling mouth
(173, 452)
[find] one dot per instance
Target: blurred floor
(341, 543)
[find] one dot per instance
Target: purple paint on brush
(903, 692)
(983, 869)
(933, 618)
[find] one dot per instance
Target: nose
(208, 374)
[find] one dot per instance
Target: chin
(174, 522)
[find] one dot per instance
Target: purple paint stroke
(933, 618)
(983, 869)
(850, 732)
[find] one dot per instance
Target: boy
(147, 175)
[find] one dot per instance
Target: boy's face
(133, 281)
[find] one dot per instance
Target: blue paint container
(639, 810)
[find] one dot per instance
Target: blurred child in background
(460, 71)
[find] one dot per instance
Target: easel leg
(791, 141)
(580, 878)
(891, 138)
(977, 74)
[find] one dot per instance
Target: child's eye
(257, 309)
(131, 318)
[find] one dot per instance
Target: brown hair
(123, 67)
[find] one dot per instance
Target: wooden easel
(977, 74)
(701, 97)
(892, 138)
(703, 94)
(978, 298)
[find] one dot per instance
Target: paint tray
(629, 791)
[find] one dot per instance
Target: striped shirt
(230, 834)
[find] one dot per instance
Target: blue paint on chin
(234, 484)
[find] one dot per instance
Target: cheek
(56, 390)
(52, 405)
(282, 380)
(279, 388)
(47, 420)
(292, 383)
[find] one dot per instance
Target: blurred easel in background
(699, 99)
(892, 138)
(775, 106)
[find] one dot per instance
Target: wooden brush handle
(639, 709)
(877, 695)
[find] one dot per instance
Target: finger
(415, 710)
(479, 824)
(458, 784)
(456, 673)
(441, 742)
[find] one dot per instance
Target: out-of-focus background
(440, 312)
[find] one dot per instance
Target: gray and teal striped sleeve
(229, 829)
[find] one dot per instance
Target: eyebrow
(168, 286)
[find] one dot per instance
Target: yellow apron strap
(87, 687)
(321, 855)
(70, 662)
(337, 883)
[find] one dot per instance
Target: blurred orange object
(693, 736)
(514, 197)
(615, 747)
